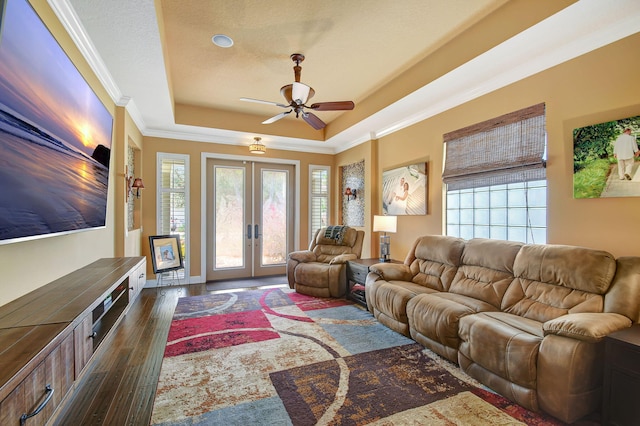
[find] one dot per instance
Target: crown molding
(70, 21)
(578, 29)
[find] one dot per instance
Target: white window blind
(318, 197)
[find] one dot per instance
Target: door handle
(257, 233)
(248, 232)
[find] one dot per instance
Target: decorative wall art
(606, 159)
(353, 205)
(404, 190)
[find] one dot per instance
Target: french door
(250, 218)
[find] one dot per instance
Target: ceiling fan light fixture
(222, 40)
(257, 147)
(296, 95)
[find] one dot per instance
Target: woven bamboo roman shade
(502, 150)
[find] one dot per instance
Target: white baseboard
(192, 280)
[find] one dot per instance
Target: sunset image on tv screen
(55, 135)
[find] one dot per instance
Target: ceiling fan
(297, 94)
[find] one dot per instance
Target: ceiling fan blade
(300, 91)
(276, 117)
(258, 101)
(313, 120)
(333, 106)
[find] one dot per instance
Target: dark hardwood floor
(119, 385)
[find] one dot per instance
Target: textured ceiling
(400, 62)
(351, 47)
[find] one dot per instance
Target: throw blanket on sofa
(336, 232)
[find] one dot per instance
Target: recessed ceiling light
(222, 40)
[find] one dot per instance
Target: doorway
(250, 223)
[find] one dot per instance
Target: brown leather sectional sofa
(527, 321)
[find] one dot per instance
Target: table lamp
(385, 224)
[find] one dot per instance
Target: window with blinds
(173, 204)
(496, 178)
(318, 197)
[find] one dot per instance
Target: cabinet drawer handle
(93, 335)
(48, 390)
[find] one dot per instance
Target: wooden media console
(48, 336)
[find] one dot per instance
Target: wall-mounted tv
(55, 135)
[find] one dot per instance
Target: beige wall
(195, 150)
(131, 240)
(600, 86)
(28, 265)
(367, 152)
(593, 88)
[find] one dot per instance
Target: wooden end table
(357, 271)
(622, 377)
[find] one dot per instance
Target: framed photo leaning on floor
(165, 253)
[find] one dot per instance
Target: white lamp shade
(300, 92)
(385, 223)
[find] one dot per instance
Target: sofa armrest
(342, 258)
(392, 271)
(591, 327)
(303, 256)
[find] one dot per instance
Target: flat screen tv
(55, 135)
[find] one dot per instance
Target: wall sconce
(257, 147)
(133, 183)
(349, 192)
(385, 224)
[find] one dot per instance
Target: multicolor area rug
(275, 357)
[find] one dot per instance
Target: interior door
(250, 218)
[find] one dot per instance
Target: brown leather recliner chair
(321, 271)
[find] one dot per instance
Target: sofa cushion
(500, 344)
(486, 270)
(528, 326)
(436, 276)
(388, 302)
(325, 253)
(439, 248)
(623, 296)
(392, 297)
(590, 327)
(434, 260)
(474, 305)
(392, 271)
(573, 267)
(433, 322)
(554, 280)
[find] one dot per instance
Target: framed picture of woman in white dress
(404, 190)
(165, 253)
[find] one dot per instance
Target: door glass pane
(274, 217)
(229, 189)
